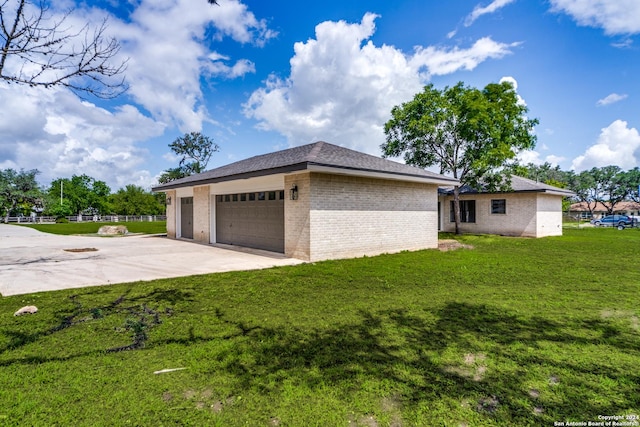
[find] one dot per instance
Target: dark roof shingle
(518, 185)
(301, 158)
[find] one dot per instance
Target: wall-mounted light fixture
(293, 193)
(168, 200)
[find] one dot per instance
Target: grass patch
(512, 332)
(148, 227)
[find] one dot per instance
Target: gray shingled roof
(302, 158)
(518, 185)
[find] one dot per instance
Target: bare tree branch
(39, 50)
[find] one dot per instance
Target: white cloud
(623, 44)
(446, 61)
(169, 46)
(514, 83)
(617, 145)
(68, 136)
(342, 87)
(168, 50)
(614, 16)
(535, 157)
(479, 11)
(611, 99)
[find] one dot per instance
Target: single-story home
(313, 202)
(528, 209)
(598, 210)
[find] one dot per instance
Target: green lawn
(513, 332)
(150, 227)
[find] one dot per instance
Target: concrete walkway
(31, 261)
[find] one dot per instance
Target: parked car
(613, 221)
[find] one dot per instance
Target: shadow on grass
(509, 369)
(136, 307)
(504, 367)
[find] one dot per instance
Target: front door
(186, 217)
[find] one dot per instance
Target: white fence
(87, 218)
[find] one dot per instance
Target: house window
(261, 195)
(281, 195)
(272, 195)
(252, 197)
(243, 197)
(235, 197)
(467, 211)
(498, 206)
(227, 198)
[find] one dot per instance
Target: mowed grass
(149, 227)
(513, 332)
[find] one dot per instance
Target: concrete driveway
(31, 261)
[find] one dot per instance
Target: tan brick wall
(355, 216)
(525, 216)
(297, 217)
(171, 213)
(201, 214)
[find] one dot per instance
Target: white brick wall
(171, 213)
(354, 216)
(528, 215)
(201, 214)
(297, 217)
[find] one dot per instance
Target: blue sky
(261, 76)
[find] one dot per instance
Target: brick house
(313, 202)
(529, 209)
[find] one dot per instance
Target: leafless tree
(39, 49)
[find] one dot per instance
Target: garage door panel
(251, 223)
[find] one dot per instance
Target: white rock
(112, 230)
(29, 309)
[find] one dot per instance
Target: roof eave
(246, 175)
(311, 167)
(398, 176)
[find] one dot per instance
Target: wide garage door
(254, 220)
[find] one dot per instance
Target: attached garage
(313, 202)
(254, 220)
(186, 217)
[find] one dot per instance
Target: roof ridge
(313, 154)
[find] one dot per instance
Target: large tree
(134, 200)
(611, 186)
(17, 188)
(607, 185)
(632, 180)
(194, 150)
(39, 48)
(81, 194)
(546, 173)
(466, 132)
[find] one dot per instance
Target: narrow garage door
(254, 220)
(186, 217)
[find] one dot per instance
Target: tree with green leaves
(135, 200)
(632, 180)
(611, 186)
(18, 188)
(81, 194)
(467, 132)
(546, 173)
(195, 151)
